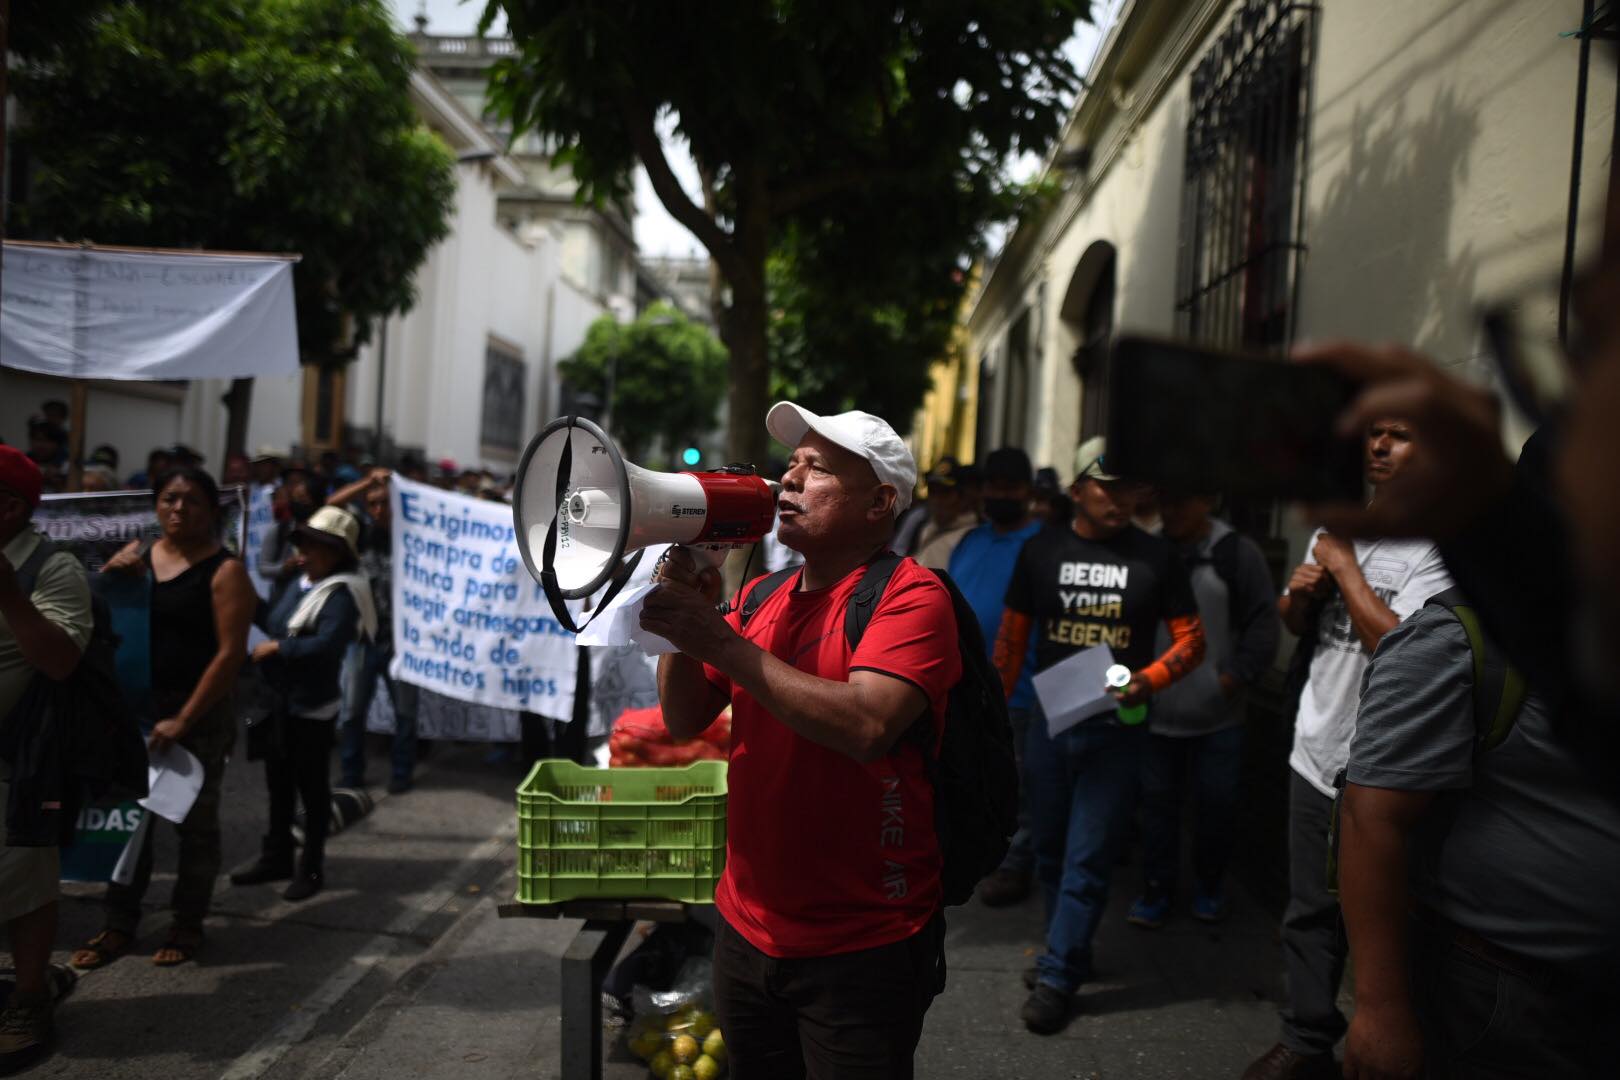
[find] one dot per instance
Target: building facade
(1255, 173)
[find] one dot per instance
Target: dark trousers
(1082, 791)
(1314, 945)
(301, 772)
(854, 1016)
(210, 740)
(366, 663)
(1211, 767)
(1481, 1018)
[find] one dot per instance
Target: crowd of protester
(1453, 825)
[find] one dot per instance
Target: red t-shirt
(826, 855)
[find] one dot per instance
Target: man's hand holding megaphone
(683, 611)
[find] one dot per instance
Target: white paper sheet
(1075, 689)
(175, 777)
(620, 624)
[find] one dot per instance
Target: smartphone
(1193, 419)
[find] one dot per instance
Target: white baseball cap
(858, 432)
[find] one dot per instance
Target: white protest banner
(94, 526)
(261, 519)
(439, 717)
(469, 621)
(109, 313)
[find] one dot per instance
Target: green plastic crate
(621, 834)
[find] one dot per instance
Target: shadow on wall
(1383, 266)
(1383, 263)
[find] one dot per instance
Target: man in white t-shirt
(1341, 600)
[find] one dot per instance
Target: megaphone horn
(578, 508)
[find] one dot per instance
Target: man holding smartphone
(1340, 601)
(1098, 581)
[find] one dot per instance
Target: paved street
(401, 968)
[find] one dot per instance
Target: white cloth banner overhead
(96, 313)
(469, 621)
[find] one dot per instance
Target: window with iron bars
(1242, 193)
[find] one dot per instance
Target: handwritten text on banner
(469, 621)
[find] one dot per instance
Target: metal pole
(382, 371)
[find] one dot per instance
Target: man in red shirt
(830, 944)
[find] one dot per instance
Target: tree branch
(798, 196)
(638, 120)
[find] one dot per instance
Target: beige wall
(1438, 177)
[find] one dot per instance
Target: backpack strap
(868, 594)
(28, 572)
(761, 592)
(1499, 688)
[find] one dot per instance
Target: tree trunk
(749, 393)
(238, 403)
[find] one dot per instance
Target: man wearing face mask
(982, 566)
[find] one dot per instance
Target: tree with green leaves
(660, 379)
(257, 125)
(863, 143)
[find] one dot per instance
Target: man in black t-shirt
(1098, 581)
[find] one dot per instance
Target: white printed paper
(1075, 689)
(174, 776)
(620, 624)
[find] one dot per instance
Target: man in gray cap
(830, 944)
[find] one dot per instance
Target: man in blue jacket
(982, 566)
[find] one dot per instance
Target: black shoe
(304, 886)
(268, 868)
(1046, 1011)
(1031, 976)
(399, 785)
(1281, 1063)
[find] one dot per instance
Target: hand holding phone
(1194, 419)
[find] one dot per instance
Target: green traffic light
(692, 455)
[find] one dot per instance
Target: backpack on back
(69, 741)
(1499, 693)
(974, 773)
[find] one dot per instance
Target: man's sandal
(102, 949)
(179, 948)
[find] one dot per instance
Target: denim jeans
(1482, 1020)
(1211, 766)
(366, 661)
(1020, 857)
(1082, 790)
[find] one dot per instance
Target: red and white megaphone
(579, 508)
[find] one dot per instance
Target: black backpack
(72, 741)
(975, 776)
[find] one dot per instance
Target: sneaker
(1209, 907)
(1046, 1011)
(303, 887)
(1149, 914)
(1281, 1063)
(399, 785)
(1004, 887)
(25, 1035)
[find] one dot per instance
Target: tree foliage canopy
(661, 377)
(861, 142)
(256, 125)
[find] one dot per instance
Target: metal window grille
(502, 428)
(1091, 357)
(1245, 166)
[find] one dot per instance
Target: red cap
(19, 473)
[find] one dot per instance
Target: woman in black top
(201, 606)
(312, 619)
